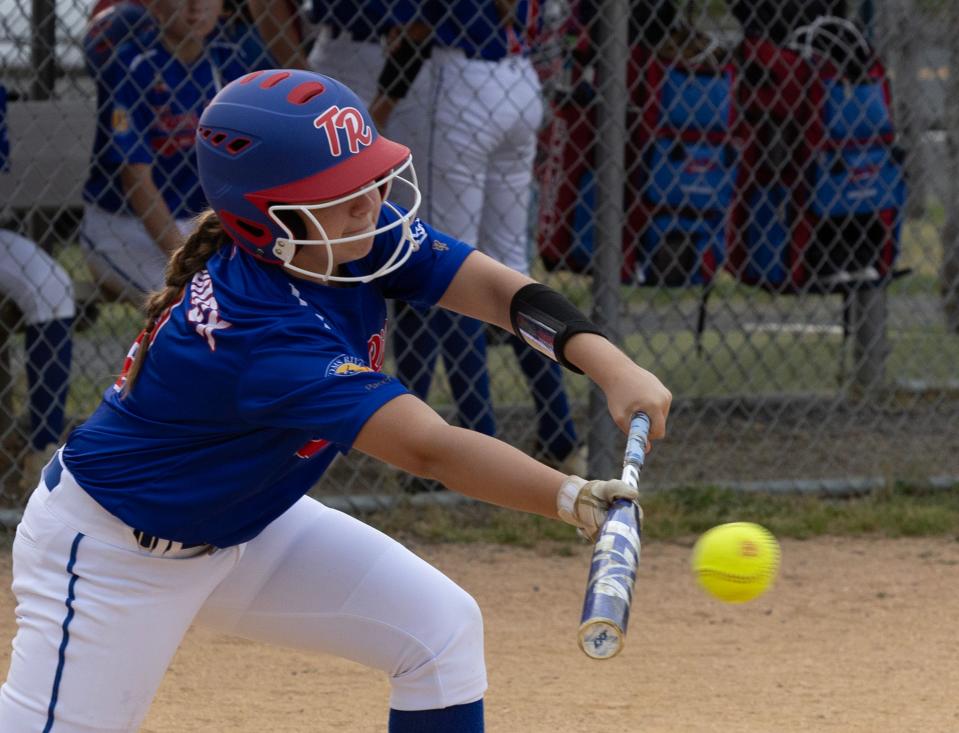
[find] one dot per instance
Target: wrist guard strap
(546, 320)
(403, 63)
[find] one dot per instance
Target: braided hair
(188, 259)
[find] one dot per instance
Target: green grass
(736, 362)
(678, 515)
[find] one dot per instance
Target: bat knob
(600, 639)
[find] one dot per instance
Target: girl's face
(186, 20)
(345, 219)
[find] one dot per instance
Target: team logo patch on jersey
(417, 233)
(120, 120)
(348, 119)
(345, 365)
(204, 310)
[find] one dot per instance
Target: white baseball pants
(38, 285)
(354, 63)
(99, 617)
(121, 254)
(471, 125)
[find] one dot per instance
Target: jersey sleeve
(426, 275)
(295, 383)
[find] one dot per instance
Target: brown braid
(188, 259)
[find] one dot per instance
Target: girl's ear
(293, 222)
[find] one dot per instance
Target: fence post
(612, 23)
(43, 48)
(867, 306)
(902, 50)
(870, 348)
(43, 56)
(949, 275)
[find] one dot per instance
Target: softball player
(471, 118)
(156, 67)
(43, 292)
(182, 497)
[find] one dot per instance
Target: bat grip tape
(546, 320)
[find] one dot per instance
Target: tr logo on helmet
(349, 119)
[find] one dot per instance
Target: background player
(471, 115)
(156, 66)
(182, 497)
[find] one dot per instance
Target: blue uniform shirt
(149, 104)
(474, 26)
(253, 383)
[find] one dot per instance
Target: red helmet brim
(381, 156)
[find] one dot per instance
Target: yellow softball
(736, 562)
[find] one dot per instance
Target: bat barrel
(612, 576)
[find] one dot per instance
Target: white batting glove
(584, 504)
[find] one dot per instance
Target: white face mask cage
(285, 248)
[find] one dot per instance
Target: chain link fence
(755, 199)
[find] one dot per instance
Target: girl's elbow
(430, 453)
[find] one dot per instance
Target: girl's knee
(447, 667)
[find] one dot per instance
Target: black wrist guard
(546, 320)
(402, 65)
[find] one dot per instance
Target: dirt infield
(858, 635)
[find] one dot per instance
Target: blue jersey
(4, 140)
(365, 20)
(475, 26)
(149, 104)
(253, 383)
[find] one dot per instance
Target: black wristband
(546, 320)
(402, 65)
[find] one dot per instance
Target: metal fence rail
(715, 182)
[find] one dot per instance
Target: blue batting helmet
(281, 140)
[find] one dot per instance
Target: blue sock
(457, 719)
(49, 348)
(556, 433)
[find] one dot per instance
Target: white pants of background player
(354, 63)
(471, 125)
(38, 285)
(99, 618)
(122, 256)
